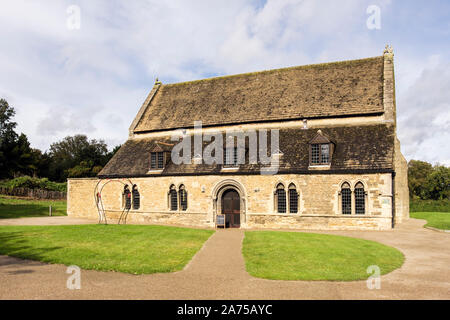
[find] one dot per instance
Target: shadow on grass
(14, 244)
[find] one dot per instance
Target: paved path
(217, 271)
(45, 221)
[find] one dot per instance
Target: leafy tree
(16, 155)
(418, 172)
(437, 186)
(76, 156)
(81, 170)
(7, 138)
(7, 126)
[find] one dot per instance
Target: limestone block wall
(319, 200)
(401, 185)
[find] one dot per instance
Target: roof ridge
(306, 66)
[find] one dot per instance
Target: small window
(281, 199)
(293, 199)
(136, 198)
(346, 199)
(160, 160)
(157, 160)
(183, 198)
(173, 198)
(360, 205)
(315, 154)
(325, 153)
(320, 153)
(126, 198)
(231, 157)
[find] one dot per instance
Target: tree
(418, 173)
(7, 126)
(16, 155)
(437, 186)
(76, 156)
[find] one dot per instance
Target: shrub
(34, 183)
(418, 205)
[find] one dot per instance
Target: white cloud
(424, 115)
(94, 80)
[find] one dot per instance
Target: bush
(34, 183)
(418, 205)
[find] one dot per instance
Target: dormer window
(320, 154)
(320, 150)
(230, 157)
(157, 160)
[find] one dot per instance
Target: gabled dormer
(158, 158)
(321, 149)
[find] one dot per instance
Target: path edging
(438, 230)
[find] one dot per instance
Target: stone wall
(401, 185)
(319, 200)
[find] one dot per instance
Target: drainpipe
(393, 199)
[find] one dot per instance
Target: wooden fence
(34, 193)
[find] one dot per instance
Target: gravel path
(217, 271)
(45, 221)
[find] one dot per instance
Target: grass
(439, 220)
(12, 207)
(418, 205)
(136, 249)
(308, 256)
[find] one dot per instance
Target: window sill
(320, 167)
(229, 169)
(155, 171)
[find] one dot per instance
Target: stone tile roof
(323, 90)
(358, 149)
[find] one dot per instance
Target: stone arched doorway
(231, 208)
(232, 191)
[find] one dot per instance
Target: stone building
(338, 161)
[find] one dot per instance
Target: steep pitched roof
(364, 148)
(323, 90)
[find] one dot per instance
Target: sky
(86, 66)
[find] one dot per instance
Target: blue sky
(92, 80)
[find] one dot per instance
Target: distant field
(11, 207)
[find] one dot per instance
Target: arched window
(183, 198)
(136, 198)
(293, 199)
(173, 198)
(280, 194)
(126, 198)
(360, 203)
(346, 198)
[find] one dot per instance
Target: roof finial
(388, 50)
(157, 81)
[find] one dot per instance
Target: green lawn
(134, 249)
(439, 220)
(11, 207)
(308, 256)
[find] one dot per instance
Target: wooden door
(231, 207)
